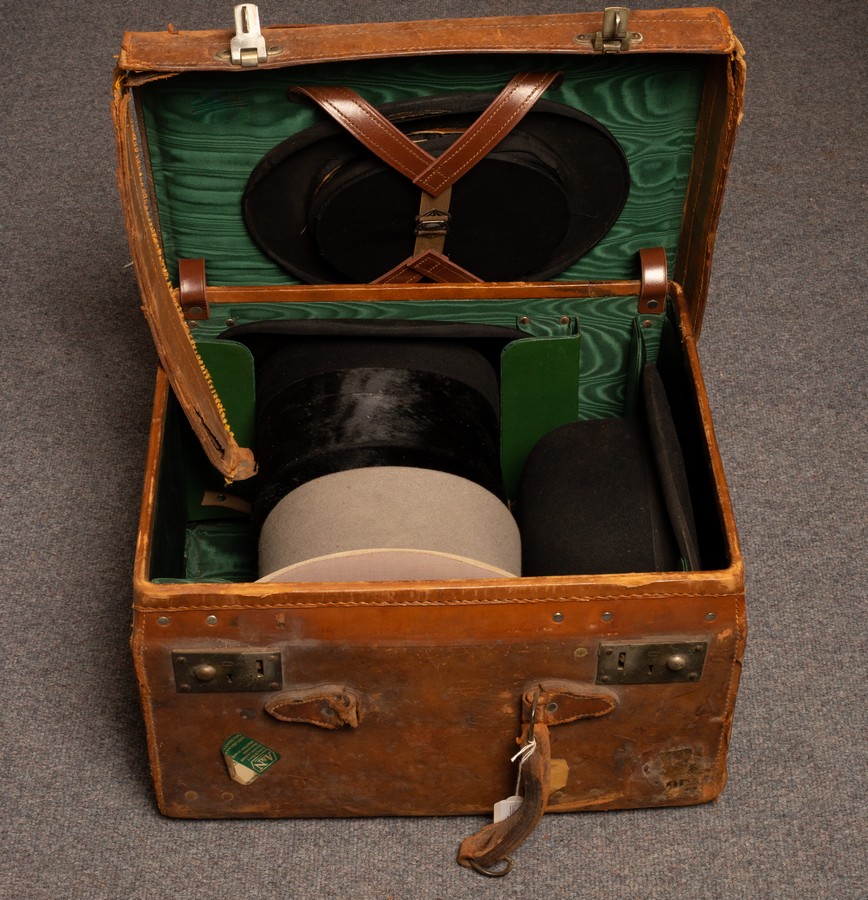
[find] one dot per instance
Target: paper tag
(247, 759)
(503, 809)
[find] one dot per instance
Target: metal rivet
(211, 620)
(653, 304)
(191, 323)
(221, 498)
(182, 659)
(647, 323)
(204, 672)
(697, 648)
(583, 37)
(223, 54)
(191, 795)
(273, 686)
(524, 320)
(552, 707)
(606, 678)
(676, 663)
(579, 652)
(328, 712)
(227, 796)
(606, 617)
(163, 620)
(693, 676)
(609, 651)
(558, 617)
(710, 617)
(273, 51)
(564, 320)
(184, 687)
(194, 310)
(230, 322)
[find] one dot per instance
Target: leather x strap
(432, 173)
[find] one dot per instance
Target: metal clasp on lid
(247, 48)
(614, 36)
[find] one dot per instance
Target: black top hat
(327, 209)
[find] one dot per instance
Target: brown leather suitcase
(413, 697)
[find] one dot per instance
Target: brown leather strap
(488, 850)
(562, 701)
(655, 280)
(329, 706)
(507, 109)
(429, 264)
(372, 128)
(191, 288)
(432, 174)
(544, 704)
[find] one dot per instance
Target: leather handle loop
(655, 280)
(432, 174)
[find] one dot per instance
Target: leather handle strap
(487, 851)
(547, 703)
(507, 109)
(432, 174)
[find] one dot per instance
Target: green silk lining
(207, 131)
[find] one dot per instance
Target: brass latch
(614, 35)
(247, 48)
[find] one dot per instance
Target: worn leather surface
(327, 706)
(701, 30)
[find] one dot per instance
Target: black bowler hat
(328, 210)
(609, 495)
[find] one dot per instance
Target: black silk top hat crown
(463, 187)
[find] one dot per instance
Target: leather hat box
(528, 206)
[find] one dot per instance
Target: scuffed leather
(330, 706)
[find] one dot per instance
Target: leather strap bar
(655, 280)
(191, 288)
(432, 174)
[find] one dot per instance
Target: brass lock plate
(651, 663)
(222, 671)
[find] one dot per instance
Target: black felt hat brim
(329, 211)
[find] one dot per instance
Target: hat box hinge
(614, 35)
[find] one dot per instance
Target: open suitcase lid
(196, 111)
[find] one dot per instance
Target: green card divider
(539, 391)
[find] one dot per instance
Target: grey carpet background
(784, 354)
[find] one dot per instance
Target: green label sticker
(247, 759)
